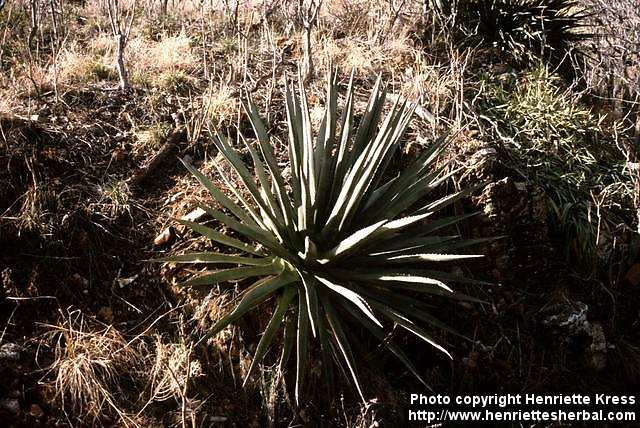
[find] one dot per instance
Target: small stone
(123, 282)
(9, 352)
(194, 215)
(36, 411)
(598, 347)
(486, 152)
(11, 405)
(472, 360)
(118, 154)
(164, 238)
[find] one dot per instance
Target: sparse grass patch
(37, 204)
(557, 143)
(365, 55)
(150, 138)
(75, 67)
(99, 71)
(98, 374)
(175, 81)
(115, 199)
(166, 63)
(227, 45)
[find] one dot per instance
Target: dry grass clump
(352, 16)
(176, 81)
(102, 44)
(150, 138)
(171, 371)
(220, 104)
(614, 53)
(76, 67)
(98, 374)
(91, 362)
(164, 62)
(38, 203)
(6, 107)
(366, 55)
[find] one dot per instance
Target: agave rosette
(524, 29)
(341, 242)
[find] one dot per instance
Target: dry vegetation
(93, 334)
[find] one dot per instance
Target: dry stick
(20, 299)
(184, 391)
(55, 47)
(8, 323)
(396, 13)
(204, 43)
(122, 37)
(32, 33)
(169, 147)
(148, 328)
(33, 6)
(4, 35)
(309, 18)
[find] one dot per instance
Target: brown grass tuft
(91, 361)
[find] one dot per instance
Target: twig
(170, 146)
(20, 299)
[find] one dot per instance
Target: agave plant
(341, 242)
(523, 29)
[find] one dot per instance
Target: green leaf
(378, 333)
(410, 326)
(302, 355)
(325, 347)
(272, 164)
(311, 297)
(270, 331)
(216, 236)
(246, 178)
(209, 257)
(218, 195)
(265, 186)
(352, 296)
(214, 277)
(256, 294)
(432, 257)
(251, 232)
(392, 276)
(343, 344)
(354, 241)
(287, 342)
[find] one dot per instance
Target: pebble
(11, 405)
(164, 237)
(10, 352)
(36, 411)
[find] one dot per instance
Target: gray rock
(9, 352)
(11, 405)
